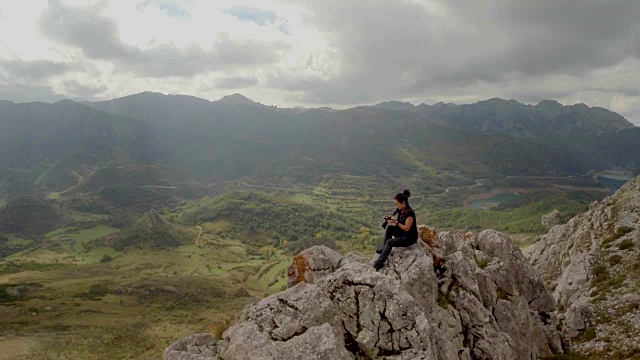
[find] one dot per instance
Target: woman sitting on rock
(400, 232)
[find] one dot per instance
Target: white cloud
(330, 52)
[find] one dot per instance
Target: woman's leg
(402, 241)
(389, 232)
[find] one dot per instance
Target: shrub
(482, 263)
(625, 244)
(615, 260)
(503, 295)
(443, 301)
(600, 271)
(218, 328)
(618, 280)
(96, 291)
(106, 258)
(588, 334)
(623, 230)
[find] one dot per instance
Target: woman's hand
(393, 222)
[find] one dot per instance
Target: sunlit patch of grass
(274, 276)
(300, 198)
(77, 305)
(18, 241)
(53, 195)
(66, 245)
(219, 225)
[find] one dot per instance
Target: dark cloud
(527, 50)
(97, 36)
(624, 90)
(236, 82)
(36, 70)
(395, 49)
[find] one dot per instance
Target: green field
(301, 198)
(131, 307)
(519, 215)
(80, 299)
(494, 200)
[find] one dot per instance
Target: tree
(267, 251)
(324, 234)
(364, 235)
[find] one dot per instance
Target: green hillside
(261, 219)
(521, 215)
(153, 140)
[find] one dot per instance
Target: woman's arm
(407, 224)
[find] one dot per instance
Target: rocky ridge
(592, 263)
(482, 300)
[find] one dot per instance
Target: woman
(400, 232)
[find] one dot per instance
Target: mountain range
(61, 146)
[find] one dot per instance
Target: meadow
(66, 295)
(61, 301)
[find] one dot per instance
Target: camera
(386, 219)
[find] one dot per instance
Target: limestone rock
(551, 219)
(605, 238)
(514, 275)
(313, 263)
(193, 347)
(341, 308)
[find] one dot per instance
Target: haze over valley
(178, 167)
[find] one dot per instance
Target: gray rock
(341, 308)
(313, 263)
(515, 319)
(514, 275)
(566, 256)
(193, 347)
(551, 219)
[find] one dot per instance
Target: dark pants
(400, 240)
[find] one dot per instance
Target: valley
(62, 301)
(121, 230)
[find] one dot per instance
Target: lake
(493, 201)
(613, 181)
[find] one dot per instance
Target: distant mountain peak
(148, 93)
(65, 102)
(547, 102)
(394, 105)
(236, 99)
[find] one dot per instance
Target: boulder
(341, 308)
(551, 219)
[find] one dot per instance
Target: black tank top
(403, 216)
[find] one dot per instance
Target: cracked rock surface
(592, 263)
(341, 308)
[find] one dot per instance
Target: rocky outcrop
(152, 221)
(551, 219)
(591, 264)
(194, 347)
(482, 301)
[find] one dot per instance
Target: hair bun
(406, 193)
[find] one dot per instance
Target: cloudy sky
(325, 52)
